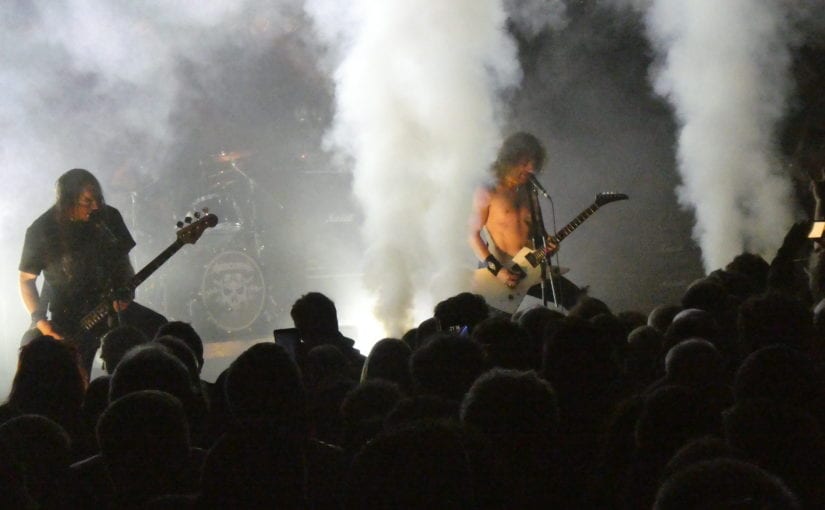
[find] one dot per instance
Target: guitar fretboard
(153, 266)
(536, 257)
(570, 227)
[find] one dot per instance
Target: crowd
(712, 402)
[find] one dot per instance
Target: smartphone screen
(817, 229)
(287, 338)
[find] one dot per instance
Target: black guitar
(188, 234)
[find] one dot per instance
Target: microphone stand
(540, 239)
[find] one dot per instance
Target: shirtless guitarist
(507, 211)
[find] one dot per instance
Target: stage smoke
(417, 111)
(724, 66)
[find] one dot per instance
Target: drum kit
(221, 290)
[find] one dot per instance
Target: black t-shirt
(81, 261)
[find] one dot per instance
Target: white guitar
(498, 295)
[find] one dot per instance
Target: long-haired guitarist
(81, 245)
(507, 215)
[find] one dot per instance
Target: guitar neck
(537, 256)
(573, 225)
(153, 266)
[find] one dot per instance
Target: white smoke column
(416, 95)
(725, 70)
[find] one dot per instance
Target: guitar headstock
(609, 196)
(190, 231)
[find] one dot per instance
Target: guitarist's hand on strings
(508, 277)
(121, 297)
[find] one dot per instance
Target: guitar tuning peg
(197, 214)
(188, 220)
(179, 224)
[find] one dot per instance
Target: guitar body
(500, 296)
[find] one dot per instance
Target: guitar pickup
(531, 258)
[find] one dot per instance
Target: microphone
(536, 184)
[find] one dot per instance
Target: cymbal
(230, 156)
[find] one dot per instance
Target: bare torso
(508, 219)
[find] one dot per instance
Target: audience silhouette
(714, 402)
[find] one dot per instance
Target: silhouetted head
(179, 349)
(117, 342)
(187, 333)
(324, 362)
(253, 470)
(364, 409)
(661, 316)
(151, 367)
(49, 379)
(705, 294)
(460, 311)
(577, 358)
(695, 363)
(315, 317)
(752, 266)
(508, 402)
(144, 440)
(44, 449)
(778, 372)
(389, 359)
(783, 439)
(423, 466)
(588, 307)
(505, 343)
(724, 483)
(446, 366)
(264, 389)
(774, 318)
(672, 416)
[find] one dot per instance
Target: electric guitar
(188, 233)
(528, 263)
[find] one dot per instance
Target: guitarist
(507, 211)
(81, 245)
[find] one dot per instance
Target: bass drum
(233, 291)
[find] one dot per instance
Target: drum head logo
(233, 291)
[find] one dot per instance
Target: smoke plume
(417, 97)
(724, 67)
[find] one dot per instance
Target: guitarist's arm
(118, 242)
(31, 300)
(481, 211)
(125, 272)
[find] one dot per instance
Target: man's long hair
(517, 148)
(69, 187)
